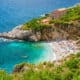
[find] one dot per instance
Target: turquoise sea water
(16, 12)
(15, 52)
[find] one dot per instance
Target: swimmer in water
(24, 56)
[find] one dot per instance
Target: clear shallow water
(12, 53)
(16, 12)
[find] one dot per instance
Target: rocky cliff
(47, 28)
(56, 31)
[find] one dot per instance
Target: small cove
(16, 12)
(15, 52)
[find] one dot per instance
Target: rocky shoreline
(18, 34)
(49, 34)
(67, 32)
(29, 35)
(61, 48)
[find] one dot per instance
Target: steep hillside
(63, 25)
(60, 24)
(65, 69)
(66, 26)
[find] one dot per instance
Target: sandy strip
(62, 49)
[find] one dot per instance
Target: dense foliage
(72, 14)
(66, 69)
(34, 24)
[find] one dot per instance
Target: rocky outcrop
(29, 35)
(56, 31)
(72, 29)
(19, 34)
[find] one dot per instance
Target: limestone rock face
(33, 38)
(17, 33)
(54, 32)
(29, 35)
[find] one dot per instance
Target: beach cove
(13, 52)
(34, 53)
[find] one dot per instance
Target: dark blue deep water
(16, 12)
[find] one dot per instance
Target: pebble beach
(62, 48)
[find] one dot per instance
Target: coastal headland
(59, 24)
(61, 28)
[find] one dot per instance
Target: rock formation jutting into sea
(61, 24)
(46, 28)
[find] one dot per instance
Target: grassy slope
(69, 68)
(66, 69)
(72, 14)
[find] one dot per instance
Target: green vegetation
(69, 17)
(66, 69)
(4, 76)
(57, 21)
(34, 24)
(72, 14)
